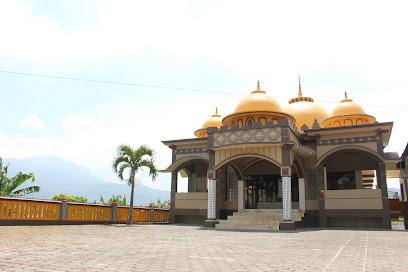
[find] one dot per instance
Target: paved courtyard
(192, 248)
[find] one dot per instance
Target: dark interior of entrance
(265, 191)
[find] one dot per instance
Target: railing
(20, 210)
(89, 212)
(29, 210)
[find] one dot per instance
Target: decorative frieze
(354, 140)
(263, 135)
(189, 150)
(287, 198)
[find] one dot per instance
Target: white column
(211, 199)
(302, 196)
(241, 195)
(287, 198)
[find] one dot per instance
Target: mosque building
(264, 167)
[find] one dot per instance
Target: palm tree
(132, 160)
(8, 185)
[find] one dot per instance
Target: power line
(164, 87)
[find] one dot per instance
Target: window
(232, 187)
(341, 181)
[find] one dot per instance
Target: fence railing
(36, 211)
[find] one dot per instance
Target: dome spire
(300, 89)
(258, 89)
(346, 98)
(216, 113)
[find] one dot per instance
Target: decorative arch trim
(237, 170)
(359, 149)
(251, 155)
(179, 164)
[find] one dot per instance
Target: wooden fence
(24, 211)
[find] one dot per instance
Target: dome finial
(300, 89)
(216, 113)
(258, 89)
(346, 99)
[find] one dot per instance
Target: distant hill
(55, 175)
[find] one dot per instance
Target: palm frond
(122, 168)
(144, 150)
(117, 161)
(19, 179)
(126, 151)
(25, 191)
(152, 168)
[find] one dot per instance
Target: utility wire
(165, 87)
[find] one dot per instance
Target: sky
(155, 70)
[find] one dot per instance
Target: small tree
(159, 204)
(8, 186)
(121, 201)
(79, 199)
(133, 160)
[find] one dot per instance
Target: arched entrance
(353, 180)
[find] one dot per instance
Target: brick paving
(192, 248)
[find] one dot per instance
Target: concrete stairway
(257, 219)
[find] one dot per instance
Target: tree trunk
(131, 203)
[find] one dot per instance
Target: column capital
(286, 171)
(211, 175)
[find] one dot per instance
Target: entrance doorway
(265, 191)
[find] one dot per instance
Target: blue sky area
(223, 47)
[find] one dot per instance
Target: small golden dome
(214, 121)
(347, 106)
(305, 110)
(348, 113)
(258, 101)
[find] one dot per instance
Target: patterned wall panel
(312, 190)
(287, 198)
(211, 199)
(262, 135)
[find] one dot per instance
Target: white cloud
(32, 121)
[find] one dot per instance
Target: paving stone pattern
(192, 248)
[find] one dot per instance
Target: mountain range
(55, 175)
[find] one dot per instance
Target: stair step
(257, 219)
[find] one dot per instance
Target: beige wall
(353, 199)
(229, 205)
(194, 201)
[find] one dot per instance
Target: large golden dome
(305, 111)
(258, 101)
(256, 107)
(348, 113)
(213, 121)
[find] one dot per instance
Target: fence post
(151, 212)
(64, 208)
(114, 211)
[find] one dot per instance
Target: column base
(210, 223)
